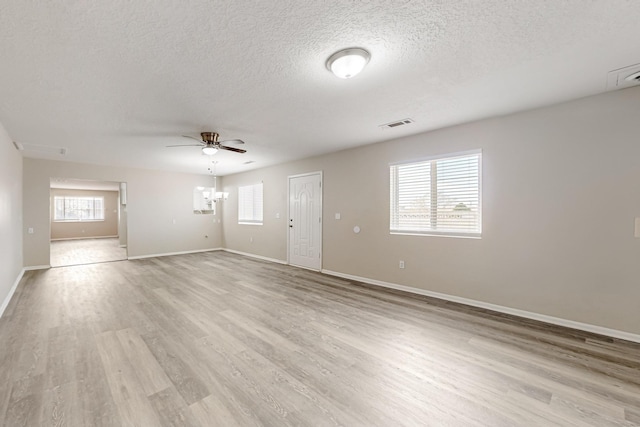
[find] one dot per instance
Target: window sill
(476, 236)
(249, 223)
(78, 220)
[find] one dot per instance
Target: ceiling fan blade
(185, 145)
(193, 137)
(232, 141)
(237, 150)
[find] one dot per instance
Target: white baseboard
(37, 267)
(173, 253)
(264, 258)
(494, 307)
(6, 301)
(84, 238)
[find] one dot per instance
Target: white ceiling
(116, 81)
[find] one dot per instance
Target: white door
(305, 220)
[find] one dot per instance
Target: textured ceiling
(114, 82)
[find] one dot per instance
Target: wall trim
(84, 238)
(7, 300)
(264, 258)
(614, 333)
(37, 267)
(173, 253)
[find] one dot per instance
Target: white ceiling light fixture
(209, 150)
(349, 62)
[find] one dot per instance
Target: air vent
(624, 77)
(396, 124)
(44, 149)
(18, 146)
(249, 162)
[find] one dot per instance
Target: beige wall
(561, 189)
(154, 200)
(74, 229)
(10, 216)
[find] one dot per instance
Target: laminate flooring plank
(582, 379)
(232, 350)
(210, 411)
(170, 357)
(60, 407)
(150, 374)
(371, 415)
(220, 339)
(172, 408)
(128, 394)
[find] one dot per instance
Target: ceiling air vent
(249, 162)
(18, 146)
(396, 124)
(624, 77)
(42, 148)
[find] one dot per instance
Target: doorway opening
(88, 222)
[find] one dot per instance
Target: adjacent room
(88, 222)
(320, 213)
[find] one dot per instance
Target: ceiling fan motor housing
(209, 137)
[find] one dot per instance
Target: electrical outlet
(401, 264)
(30, 230)
(250, 239)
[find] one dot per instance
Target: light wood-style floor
(218, 339)
(86, 251)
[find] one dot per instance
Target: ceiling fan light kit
(209, 150)
(347, 63)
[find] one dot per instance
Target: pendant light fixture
(349, 62)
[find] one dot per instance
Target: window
(78, 208)
(250, 204)
(437, 196)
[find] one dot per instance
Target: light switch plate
(337, 216)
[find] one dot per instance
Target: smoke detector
(624, 77)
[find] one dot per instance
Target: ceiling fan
(210, 144)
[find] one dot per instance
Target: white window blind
(78, 208)
(250, 204)
(437, 196)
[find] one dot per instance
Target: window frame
(93, 209)
(254, 220)
(395, 229)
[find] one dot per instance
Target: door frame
(289, 177)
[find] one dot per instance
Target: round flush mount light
(349, 62)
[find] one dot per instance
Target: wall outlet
(401, 265)
(278, 215)
(250, 239)
(30, 230)
(338, 216)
